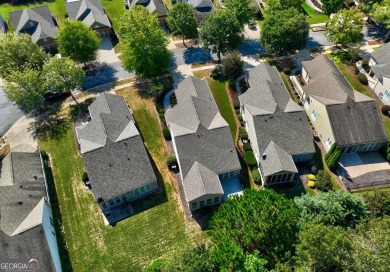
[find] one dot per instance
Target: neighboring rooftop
(280, 124)
(155, 7)
(90, 12)
(22, 200)
(382, 59)
(112, 148)
(37, 22)
(202, 137)
(353, 116)
(201, 5)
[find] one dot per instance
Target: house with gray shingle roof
(91, 13)
(39, 24)
(26, 221)
(339, 113)
(380, 67)
(277, 127)
(203, 144)
(155, 7)
(203, 8)
(115, 158)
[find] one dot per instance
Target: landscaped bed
(154, 231)
(314, 17)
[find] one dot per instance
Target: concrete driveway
(9, 113)
(106, 52)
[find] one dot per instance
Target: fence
(351, 186)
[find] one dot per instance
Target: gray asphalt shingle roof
(280, 124)
(202, 137)
(155, 7)
(353, 116)
(112, 148)
(201, 5)
(37, 22)
(90, 12)
(21, 209)
(382, 54)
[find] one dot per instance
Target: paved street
(9, 113)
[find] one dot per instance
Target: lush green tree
(232, 65)
(332, 6)
(367, 6)
(156, 266)
(345, 28)
(18, 52)
(323, 182)
(188, 259)
(26, 88)
(371, 243)
(182, 21)
(144, 43)
(228, 255)
(221, 33)
(77, 41)
(254, 263)
(284, 31)
(240, 9)
(381, 13)
(63, 74)
(323, 248)
(273, 5)
(378, 203)
(258, 220)
(337, 208)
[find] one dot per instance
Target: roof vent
(30, 195)
(20, 202)
(349, 107)
(109, 165)
(264, 156)
(5, 244)
(35, 177)
(21, 186)
(99, 199)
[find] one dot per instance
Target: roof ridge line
(200, 175)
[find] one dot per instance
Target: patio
(231, 186)
(118, 213)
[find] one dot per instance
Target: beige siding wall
(305, 75)
(250, 128)
(321, 122)
(204, 199)
(283, 175)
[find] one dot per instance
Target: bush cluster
(236, 103)
(167, 134)
(171, 160)
(247, 147)
(332, 157)
(250, 158)
(243, 134)
(256, 176)
(362, 78)
(386, 110)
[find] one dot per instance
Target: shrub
(85, 177)
(247, 147)
(330, 152)
(232, 84)
(311, 184)
(232, 65)
(365, 63)
(300, 103)
(362, 78)
(323, 182)
(236, 103)
(243, 133)
(256, 176)
(157, 265)
(171, 160)
(238, 111)
(287, 70)
(167, 134)
(215, 73)
(386, 110)
(311, 177)
(333, 160)
(44, 156)
(357, 71)
(240, 117)
(157, 88)
(250, 158)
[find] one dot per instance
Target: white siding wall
(305, 75)
(50, 237)
(321, 123)
(204, 199)
(250, 127)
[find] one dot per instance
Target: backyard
(157, 228)
(314, 17)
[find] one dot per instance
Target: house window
(279, 178)
(104, 205)
(386, 96)
(209, 201)
(313, 115)
(201, 203)
(111, 202)
(147, 187)
(194, 205)
(142, 189)
(274, 178)
(231, 174)
(328, 143)
(117, 199)
(220, 176)
(226, 175)
(124, 197)
(307, 103)
(136, 191)
(51, 221)
(288, 177)
(216, 199)
(284, 177)
(54, 234)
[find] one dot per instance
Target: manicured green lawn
(372, 190)
(57, 7)
(221, 98)
(114, 9)
(313, 17)
(157, 228)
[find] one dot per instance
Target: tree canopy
(182, 21)
(144, 43)
(345, 28)
(18, 52)
(332, 6)
(77, 41)
(221, 33)
(273, 5)
(63, 74)
(232, 65)
(284, 31)
(337, 208)
(240, 9)
(257, 220)
(26, 88)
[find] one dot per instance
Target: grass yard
(57, 7)
(222, 99)
(114, 9)
(372, 190)
(386, 122)
(312, 16)
(155, 231)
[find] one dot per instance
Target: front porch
(111, 216)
